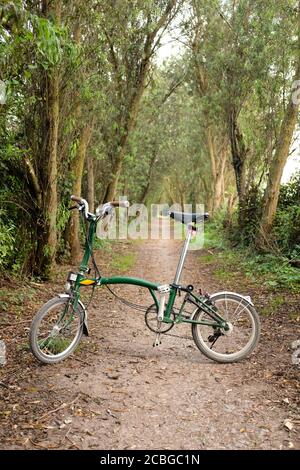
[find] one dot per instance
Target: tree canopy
(90, 110)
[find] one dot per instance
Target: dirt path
(118, 392)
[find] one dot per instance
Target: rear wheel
(242, 335)
(56, 330)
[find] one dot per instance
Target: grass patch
(122, 262)
(13, 299)
(270, 270)
(274, 270)
(273, 305)
(23, 347)
(222, 273)
(207, 258)
(109, 245)
(103, 244)
(213, 238)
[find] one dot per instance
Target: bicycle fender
(245, 297)
(85, 321)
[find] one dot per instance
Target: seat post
(183, 254)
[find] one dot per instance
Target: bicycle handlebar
(119, 203)
(108, 205)
(83, 203)
(77, 199)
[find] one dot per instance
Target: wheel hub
(55, 331)
(228, 330)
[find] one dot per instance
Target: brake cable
(133, 305)
(98, 275)
(142, 308)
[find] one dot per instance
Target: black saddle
(189, 217)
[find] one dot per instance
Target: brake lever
(108, 211)
(73, 207)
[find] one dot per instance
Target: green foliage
(271, 270)
(273, 305)
(7, 240)
(48, 41)
(287, 231)
(122, 262)
(103, 244)
(55, 345)
(213, 230)
(245, 59)
(275, 271)
(290, 192)
(166, 154)
(286, 228)
(63, 216)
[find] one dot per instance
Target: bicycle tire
(246, 350)
(36, 322)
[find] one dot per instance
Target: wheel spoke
(57, 330)
(234, 340)
(226, 308)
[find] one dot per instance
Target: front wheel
(243, 329)
(56, 330)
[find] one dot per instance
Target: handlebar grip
(76, 199)
(119, 203)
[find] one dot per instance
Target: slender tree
(130, 56)
(282, 150)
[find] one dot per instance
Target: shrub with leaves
(7, 230)
(287, 223)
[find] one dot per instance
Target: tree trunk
(181, 194)
(73, 232)
(145, 192)
(218, 156)
(90, 183)
(117, 168)
(51, 193)
(218, 188)
(149, 177)
(227, 223)
(138, 88)
(238, 154)
(47, 239)
(207, 196)
(129, 126)
(278, 163)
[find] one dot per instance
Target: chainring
(152, 323)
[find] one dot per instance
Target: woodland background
(91, 111)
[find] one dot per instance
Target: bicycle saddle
(188, 217)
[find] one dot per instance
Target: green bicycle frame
(200, 302)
